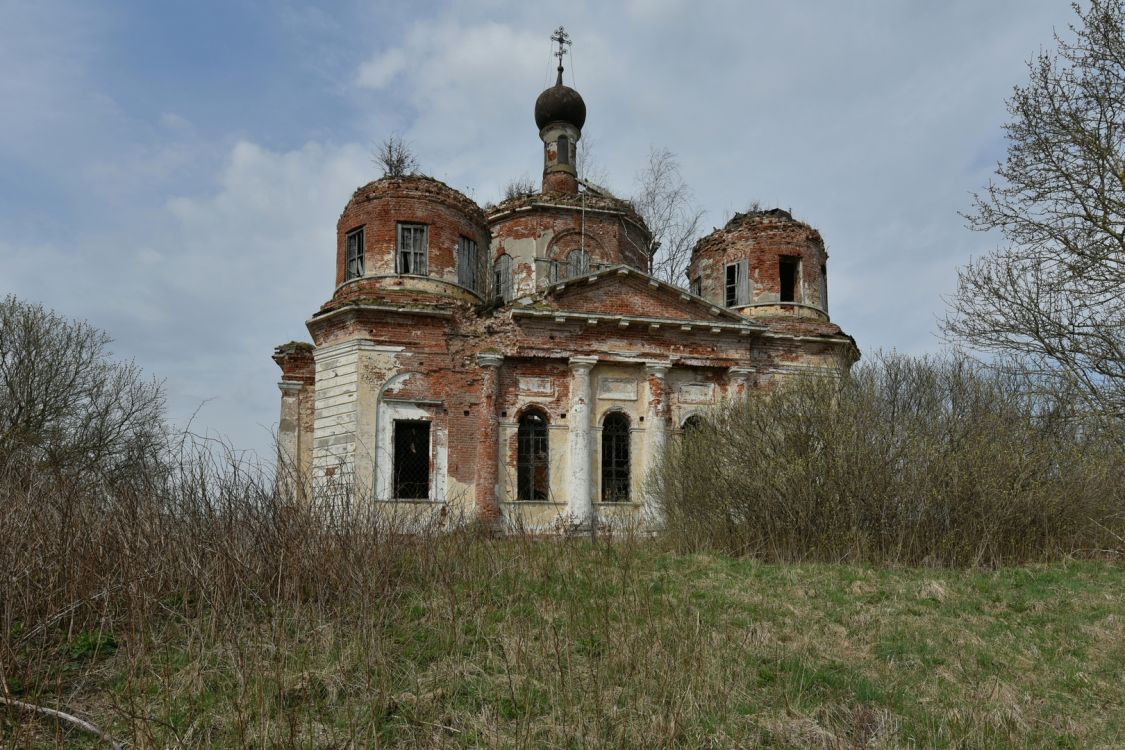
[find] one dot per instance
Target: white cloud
(379, 71)
(200, 291)
(872, 121)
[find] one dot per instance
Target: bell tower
(560, 114)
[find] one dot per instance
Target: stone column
(288, 439)
(656, 433)
(488, 449)
(580, 506)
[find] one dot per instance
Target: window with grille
(737, 286)
(578, 262)
(353, 262)
(411, 462)
(502, 277)
(413, 249)
(532, 457)
(467, 263)
(788, 268)
(615, 458)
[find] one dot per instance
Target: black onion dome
(560, 103)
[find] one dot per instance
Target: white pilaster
(579, 502)
(739, 381)
(656, 434)
(288, 438)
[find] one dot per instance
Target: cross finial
(563, 39)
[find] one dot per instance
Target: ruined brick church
(519, 363)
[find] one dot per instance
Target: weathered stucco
(574, 341)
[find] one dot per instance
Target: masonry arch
(693, 422)
(572, 253)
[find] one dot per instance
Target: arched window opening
(694, 423)
(533, 465)
(578, 263)
(615, 458)
(502, 277)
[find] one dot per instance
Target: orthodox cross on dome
(563, 39)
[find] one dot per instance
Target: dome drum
(396, 229)
(763, 263)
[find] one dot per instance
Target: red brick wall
(379, 207)
(614, 234)
(760, 238)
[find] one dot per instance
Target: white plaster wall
(334, 425)
(527, 272)
(388, 411)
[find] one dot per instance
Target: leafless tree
(666, 204)
(65, 407)
(591, 171)
(520, 187)
(1053, 299)
(395, 156)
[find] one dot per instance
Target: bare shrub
(906, 461)
(520, 187)
(395, 157)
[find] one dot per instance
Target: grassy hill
(470, 642)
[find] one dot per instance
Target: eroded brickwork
(582, 336)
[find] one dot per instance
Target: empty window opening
(532, 457)
(737, 288)
(824, 288)
(412, 459)
(413, 249)
(564, 150)
(502, 277)
(788, 270)
(697, 286)
(615, 458)
(467, 263)
(353, 264)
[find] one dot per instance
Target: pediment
(624, 291)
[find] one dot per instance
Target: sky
(172, 172)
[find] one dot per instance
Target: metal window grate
(532, 458)
(411, 459)
(615, 458)
(578, 262)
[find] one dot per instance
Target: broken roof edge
(624, 270)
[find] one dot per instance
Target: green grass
(507, 643)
